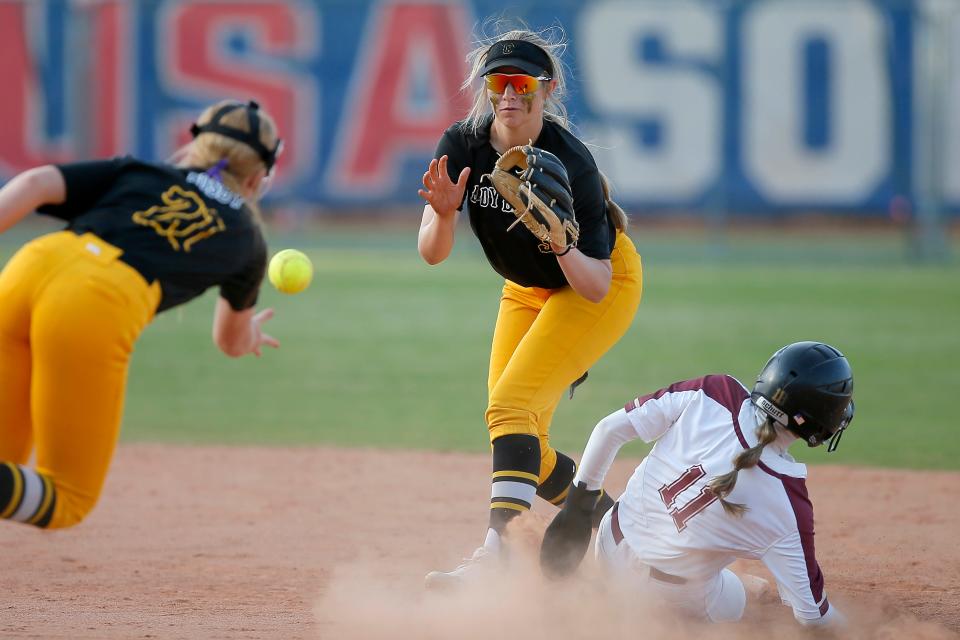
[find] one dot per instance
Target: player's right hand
(259, 337)
(566, 540)
(440, 192)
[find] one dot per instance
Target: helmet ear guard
(251, 138)
(807, 388)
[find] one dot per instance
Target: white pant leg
(719, 599)
(618, 560)
(728, 599)
(604, 548)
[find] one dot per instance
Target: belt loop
(99, 248)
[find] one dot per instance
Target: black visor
(520, 54)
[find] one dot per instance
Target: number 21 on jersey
(669, 492)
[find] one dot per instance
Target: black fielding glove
(541, 196)
(566, 540)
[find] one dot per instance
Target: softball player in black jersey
(140, 238)
(560, 311)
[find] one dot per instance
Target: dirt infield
(325, 543)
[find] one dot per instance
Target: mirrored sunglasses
(522, 84)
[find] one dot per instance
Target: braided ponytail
(721, 486)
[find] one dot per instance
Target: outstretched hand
(259, 337)
(566, 540)
(440, 192)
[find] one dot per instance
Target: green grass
(385, 351)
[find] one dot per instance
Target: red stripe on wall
(107, 86)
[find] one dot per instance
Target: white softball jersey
(670, 519)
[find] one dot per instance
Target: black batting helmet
(807, 387)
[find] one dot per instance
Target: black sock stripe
(559, 479)
(46, 499)
(527, 481)
(46, 517)
(6, 486)
(500, 518)
(12, 502)
(23, 487)
(516, 501)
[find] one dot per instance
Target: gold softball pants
(70, 313)
(547, 338)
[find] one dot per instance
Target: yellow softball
(290, 271)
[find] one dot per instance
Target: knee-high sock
(25, 495)
(516, 467)
(555, 486)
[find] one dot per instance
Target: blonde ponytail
(721, 486)
(615, 211)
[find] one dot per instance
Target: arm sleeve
(590, 208)
(241, 289)
(608, 436)
(86, 183)
(453, 145)
(798, 581)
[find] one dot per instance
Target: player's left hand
(566, 540)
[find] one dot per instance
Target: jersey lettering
(669, 493)
(215, 190)
(488, 198)
(183, 219)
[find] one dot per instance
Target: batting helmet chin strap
(250, 138)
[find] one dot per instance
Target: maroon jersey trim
(796, 489)
(686, 385)
(723, 389)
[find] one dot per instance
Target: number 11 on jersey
(669, 493)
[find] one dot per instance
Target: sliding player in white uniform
(718, 485)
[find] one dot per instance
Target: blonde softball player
(718, 485)
(140, 238)
(561, 309)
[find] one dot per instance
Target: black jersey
(516, 255)
(177, 226)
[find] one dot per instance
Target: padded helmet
(807, 387)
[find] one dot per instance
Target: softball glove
(535, 183)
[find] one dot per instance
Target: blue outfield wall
(767, 107)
